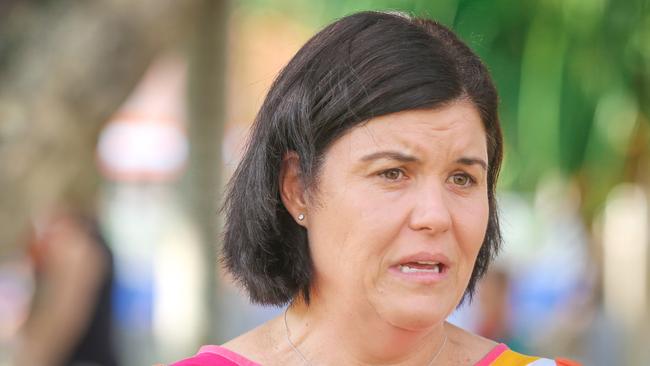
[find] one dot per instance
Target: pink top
(492, 355)
(220, 356)
(216, 356)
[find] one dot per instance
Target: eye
(393, 174)
(462, 179)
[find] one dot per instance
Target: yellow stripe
(512, 358)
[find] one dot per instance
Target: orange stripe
(565, 362)
(512, 358)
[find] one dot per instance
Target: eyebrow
(472, 161)
(392, 155)
(405, 158)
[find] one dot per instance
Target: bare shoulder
(259, 344)
(249, 343)
(469, 348)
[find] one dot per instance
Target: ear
(292, 188)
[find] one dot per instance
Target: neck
(327, 335)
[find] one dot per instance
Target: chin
(415, 313)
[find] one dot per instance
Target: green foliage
(573, 76)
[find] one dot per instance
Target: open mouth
(422, 267)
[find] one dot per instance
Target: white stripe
(543, 362)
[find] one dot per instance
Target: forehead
(454, 128)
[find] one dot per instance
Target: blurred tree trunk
(65, 66)
(206, 96)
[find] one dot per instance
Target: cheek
(470, 227)
(332, 234)
(349, 234)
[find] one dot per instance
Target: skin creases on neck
(340, 337)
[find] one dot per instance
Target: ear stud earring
(301, 217)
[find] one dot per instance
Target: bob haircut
(362, 66)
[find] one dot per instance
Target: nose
(430, 211)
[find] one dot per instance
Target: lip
(423, 277)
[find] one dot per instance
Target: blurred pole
(625, 253)
(65, 67)
(206, 94)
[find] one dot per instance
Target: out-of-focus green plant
(573, 76)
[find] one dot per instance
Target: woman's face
(400, 213)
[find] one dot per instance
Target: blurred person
(70, 318)
(493, 306)
(584, 330)
(366, 201)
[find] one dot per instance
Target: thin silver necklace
(304, 359)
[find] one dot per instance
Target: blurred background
(121, 120)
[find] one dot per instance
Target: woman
(366, 201)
